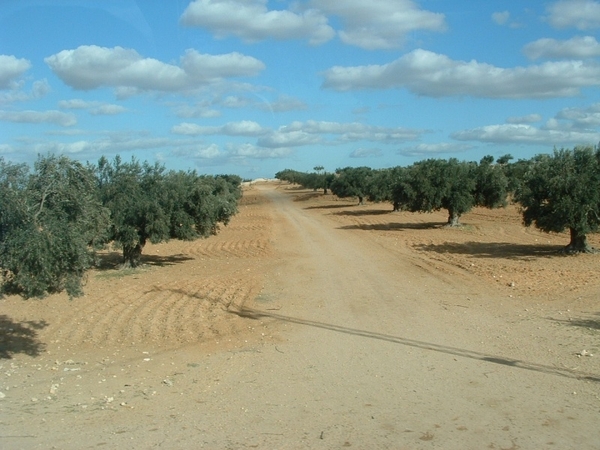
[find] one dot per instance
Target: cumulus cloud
(252, 21)
(576, 47)
(382, 24)
(12, 68)
(36, 117)
(431, 74)
(528, 134)
(242, 128)
(366, 153)
(581, 118)
(580, 14)
(90, 67)
(428, 150)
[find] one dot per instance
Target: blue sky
(252, 87)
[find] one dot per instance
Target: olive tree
(149, 204)
(561, 192)
(435, 184)
(352, 182)
(50, 222)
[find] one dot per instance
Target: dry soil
(314, 323)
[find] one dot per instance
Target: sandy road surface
(350, 343)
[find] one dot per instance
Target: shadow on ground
(518, 364)
(20, 337)
(369, 212)
(393, 226)
(589, 324)
(495, 249)
(114, 260)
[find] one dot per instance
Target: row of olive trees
(52, 219)
(556, 192)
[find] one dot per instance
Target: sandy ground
(314, 323)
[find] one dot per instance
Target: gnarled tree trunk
(453, 218)
(578, 243)
(132, 255)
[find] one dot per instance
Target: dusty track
(314, 323)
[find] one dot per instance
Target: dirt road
(343, 338)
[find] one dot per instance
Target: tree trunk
(361, 200)
(396, 205)
(325, 191)
(578, 243)
(132, 256)
(453, 218)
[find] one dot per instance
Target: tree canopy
(53, 218)
(562, 191)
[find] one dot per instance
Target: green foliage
(50, 222)
(318, 180)
(562, 191)
(352, 182)
(436, 184)
(148, 204)
(491, 184)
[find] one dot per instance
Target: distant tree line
(556, 192)
(55, 217)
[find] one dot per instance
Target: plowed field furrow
(230, 248)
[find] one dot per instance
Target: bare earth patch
(312, 322)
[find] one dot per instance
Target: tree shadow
(328, 206)
(114, 260)
(393, 226)
(254, 314)
(495, 249)
(371, 212)
(20, 337)
(589, 324)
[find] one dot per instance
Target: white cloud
(581, 118)
(277, 139)
(530, 118)
(39, 89)
(204, 152)
(75, 103)
(201, 110)
(427, 150)
(434, 75)
(366, 153)
(581, 14)
(253, 151)
(91, 67)
(381, 24)
(11, 68)
(107, 110)
(576, 47)
(242, 128)
(354, 131)
(501, 17)
(252, 21)
(94, 108)
(527, 134)
(282, 104)
(36, 117)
